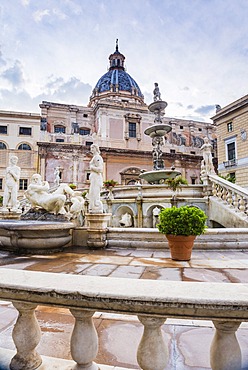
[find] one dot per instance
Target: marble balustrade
(152, 301)
(231, 194)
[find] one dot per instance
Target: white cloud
(195, 49)
(40, 14)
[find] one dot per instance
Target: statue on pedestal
(96, 180)
(13, 173)
(156, 93)
(207, 162)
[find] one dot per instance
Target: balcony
(230, 163)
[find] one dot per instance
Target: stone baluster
(152, 351)
(26, 336)
(235, 201)
(229, 198)
(225, 353)
(219, 191)
(242, 204)
(214, 189)
(84, 340)
(224, 194)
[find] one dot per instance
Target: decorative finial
(117, 45)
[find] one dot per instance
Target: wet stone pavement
(119, 335)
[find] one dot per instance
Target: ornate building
(231, 129)
(115, 118)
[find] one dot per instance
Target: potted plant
(181, 226)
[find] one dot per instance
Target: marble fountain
(157, 131)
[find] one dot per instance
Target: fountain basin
(157, 130)
(159, 176)
(25, 237)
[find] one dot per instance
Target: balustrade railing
(231, 194)
(152, 301)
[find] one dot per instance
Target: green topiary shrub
(185, 220)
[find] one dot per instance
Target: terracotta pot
(181, 246)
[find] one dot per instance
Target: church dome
(117, 81)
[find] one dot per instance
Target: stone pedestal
(97, 229)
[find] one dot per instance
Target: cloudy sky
(56, 50)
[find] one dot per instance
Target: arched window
(24, 147)
(2, 145)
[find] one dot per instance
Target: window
(2, 145)
(85, 115)
(181, 127)
(84, 131)
(25, 131)
(232, 177)
(59, 129)
(231, 155)
(87, 176)
(3, 130)
(193, 180)
(132, 129)
(199, 129)
(24, 147)
(60, 140)
(88, 143)
(192, 152)
(229, 127)
(23, 184)
(172, 151)
(1, 184)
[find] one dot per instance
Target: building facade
(231, 129)
(18, 136)
(115, 119)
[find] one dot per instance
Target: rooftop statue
(156, 93)
(96, 180)
(13, 173)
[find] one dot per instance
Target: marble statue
(155, 216)
(96, 180)
(56, 176)
(156, 93)
(207, 163)
(126, 220)
(13, 173)
(76, 212)
(38, 195)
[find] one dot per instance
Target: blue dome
(117, 78)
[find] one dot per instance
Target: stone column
(152, 351)
(84, 340)
(75, 169)
(43, 166)
(225, 353)
(26, 336)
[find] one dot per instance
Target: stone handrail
(152, 301)
(233, 195)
